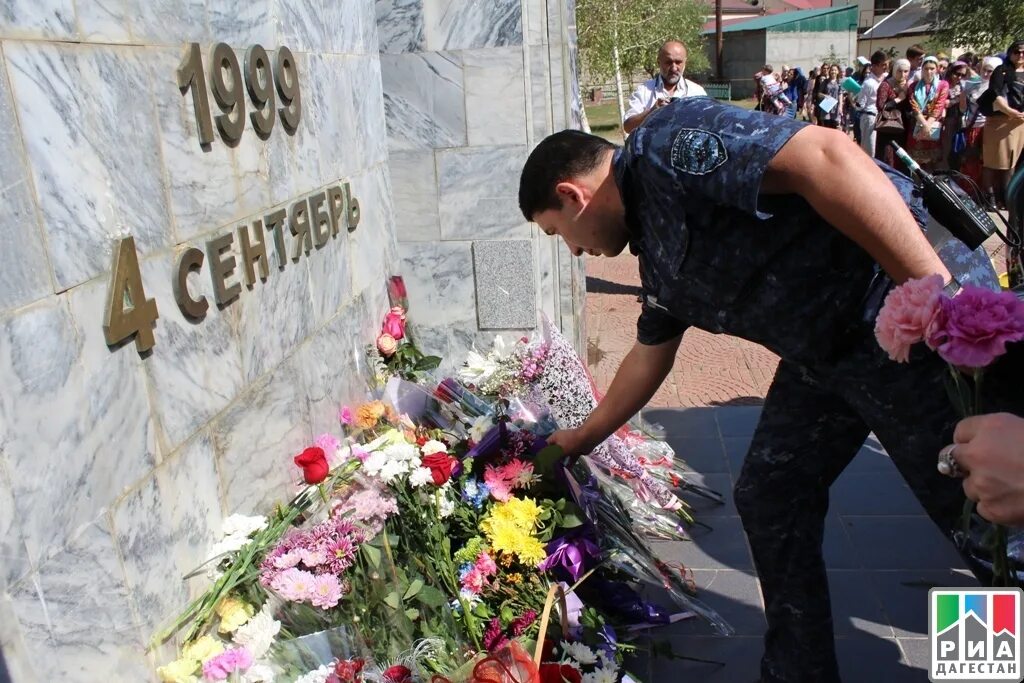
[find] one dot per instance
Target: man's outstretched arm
(848, 190)
(641, 373)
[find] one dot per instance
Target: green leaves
(987, 26)
(393, 600)
(415, 587)
(372, 554)
(431, 597)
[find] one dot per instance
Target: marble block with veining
(414, 183)
(164, 530)
(424, 100)
(506, 289)
(495, 96)
(76, 618)
(32, 19)
(24, 269)
(478, 193)
(469, 24)
(400, 26)
(74, 418)
(93, 148)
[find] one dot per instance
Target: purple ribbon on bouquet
(571, 552)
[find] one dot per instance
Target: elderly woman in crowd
(893, 113)
(974, 125)
(1004, 130)
(928, 99)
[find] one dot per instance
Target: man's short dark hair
(915, 51)
(878, 58)
(559, 157)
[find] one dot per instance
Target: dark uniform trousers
(814, 421)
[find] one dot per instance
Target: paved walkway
(882, 552)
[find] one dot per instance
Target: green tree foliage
(638, 28)
(985, 26)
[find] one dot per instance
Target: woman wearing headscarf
(974, 125)
(953, 122)
(893, 113)
(928, 98)
(1004, 130)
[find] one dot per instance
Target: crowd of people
(964, 115)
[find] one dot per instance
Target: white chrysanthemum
(373, 464)
(480, 427)
(257, 634)
(580, 652)
(445, 507)
(258, 673)
(318, 676)
(420, 477)
(230, 544)
(241, 525)
(433, 446)
(403, 452)
(601, 676)
(391, 470)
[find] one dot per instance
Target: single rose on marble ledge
(314, 464)
(387, 345)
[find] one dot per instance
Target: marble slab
(37, 20)
(104, 21)
(547, 277)
(14, 563)
(424, 100)
(536, 22)
(478, 191)
(540, 93)
(330, 277)
(368, 109)
(495, 96)
(351, 27)
(163, 535)
(95, 105)
(76, 619)
(506, 284)
(301, 25)
(17, 662)
(439, 279)
(24, 270)
(241, 23)
(256, 439)
(68, 397)
(373, 242)
(195, 368)
(170, 22)
(333, 367)
(400, 26)
(468, 24)
(414, 179)
(339, 138)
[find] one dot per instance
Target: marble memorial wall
(469, 88)
(117, 466)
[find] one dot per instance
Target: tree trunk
(718, 39)
(618, 68)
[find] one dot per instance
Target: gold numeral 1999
(226, 79)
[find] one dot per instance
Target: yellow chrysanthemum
(203, 649)
(233, 613)
(179, 671)
(510, 527)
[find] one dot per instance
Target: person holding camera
(668, 85)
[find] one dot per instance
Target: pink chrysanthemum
(326, 591)
(294, 585)
(223, 665)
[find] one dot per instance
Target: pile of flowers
(426, 544)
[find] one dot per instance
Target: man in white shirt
(666, 86)
(867, 100)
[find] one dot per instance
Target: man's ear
(570, 193)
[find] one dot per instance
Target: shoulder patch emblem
(698, 152)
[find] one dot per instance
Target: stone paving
(882, 552)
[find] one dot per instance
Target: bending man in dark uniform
(738, 227)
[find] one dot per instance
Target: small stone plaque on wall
(506, 290)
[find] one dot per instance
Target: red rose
(398, 674)
(440, 466)
(314, 464)
(348, 670)
(558, 673)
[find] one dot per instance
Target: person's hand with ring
(988, 451)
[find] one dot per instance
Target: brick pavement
(710, 370)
